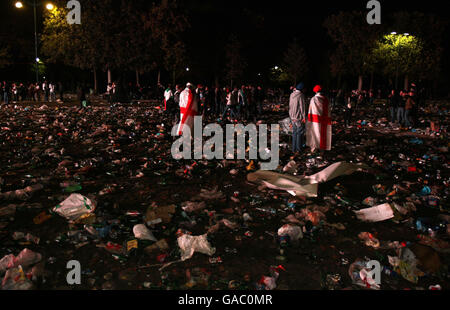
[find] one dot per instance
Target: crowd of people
(310, 119)
(403, 108)
(314, 120)
(46, 91)
(232, 103)
(244, 103)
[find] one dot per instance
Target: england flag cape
(318, 128)
(188, 110)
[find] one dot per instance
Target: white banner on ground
(303, 185)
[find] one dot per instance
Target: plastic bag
(141, 232)
(191, 244)
(294, 232)
(74, 207)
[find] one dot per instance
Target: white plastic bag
(294, 232)
(141, 232)
(25, 258)
(15, 279)
(191, 244)
(74, 207)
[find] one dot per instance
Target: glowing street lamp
(19, 5)
(50, 6)
(187, 69)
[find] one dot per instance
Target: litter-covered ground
(100, 186)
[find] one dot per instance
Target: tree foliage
(429, 29)
(295, 61)
(399, 54)
(5, 57)
(235, 63)
(355, 39)
(115, 34)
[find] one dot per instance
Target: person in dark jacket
(176, 100)
(81, 95)
(349, 104)
(297, 114)
(401, 108)
(393, 104)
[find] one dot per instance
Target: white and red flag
(318, 128)
(188, 110)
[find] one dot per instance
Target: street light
(34, 3)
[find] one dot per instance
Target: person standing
(231, 102)
(409, 107)
(61, 90)
(109, 92)
(52, 92)
(5, 89)
(176, 100)
(297, 113)
(217, 101)
(207, 102)
(259, 99)
(251, 102)
(318, 127)
(401, 109)
(45, 90)
(81, 94)
(168, 97)
(242, 103)
(349, 103)
(393, 105)
(188, 109)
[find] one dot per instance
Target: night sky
(267, 27)
(264, 27)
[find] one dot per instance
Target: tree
(355, 39)
(236, 64)
(429, 29)
(5, 57)
(295, 62)
(399, 54)
(115, 34)
(175, 59)
(169, 23)
(84, 46)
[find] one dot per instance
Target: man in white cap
(188, 109)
